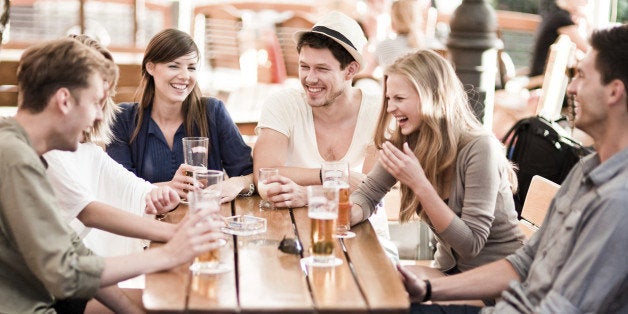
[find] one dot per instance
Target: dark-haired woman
(147, 135)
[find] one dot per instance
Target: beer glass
(195, 153)
(323, 212)
(262, 186)
(207, 194)
(208, 179)
(336, 173)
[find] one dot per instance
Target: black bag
(538, 146)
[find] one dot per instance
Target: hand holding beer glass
(195, 153)
(336, 174)
(262, 186)
(323, 212)
(206, 195)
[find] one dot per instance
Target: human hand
(415, 286)
(161, 200)
(196, 234)
(230, 189)
(181, 182)
(403, 165)
(285, 193)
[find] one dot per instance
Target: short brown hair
(611, 45)
(46, 67)
(319, 41)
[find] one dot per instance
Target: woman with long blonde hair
(453, 173)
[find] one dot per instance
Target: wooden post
(472, 47)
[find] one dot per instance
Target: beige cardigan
(485, 228)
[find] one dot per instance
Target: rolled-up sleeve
(468, 233)
(52, 252)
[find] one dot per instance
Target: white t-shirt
(288, 112)
(89, 174)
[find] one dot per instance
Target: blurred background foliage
(532, 6)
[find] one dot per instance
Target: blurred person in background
(560, 17)
(62, 86)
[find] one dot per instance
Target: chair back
(222, 27)
(537, 202)
(285, 30)
(555, 78)
(8, 83)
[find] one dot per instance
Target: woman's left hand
(403, 165)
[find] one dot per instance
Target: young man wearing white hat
(327, 120)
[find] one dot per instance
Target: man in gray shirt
(578, 261)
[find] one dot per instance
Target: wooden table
(264, 279)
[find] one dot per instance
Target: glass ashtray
(244, 225)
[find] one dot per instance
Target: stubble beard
(330, 100)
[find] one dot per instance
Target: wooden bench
(8, 83)
(130, 78)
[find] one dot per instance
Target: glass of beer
(262, 186)
(323, 212)
(208, 198)
(336, 173)
(195, 153)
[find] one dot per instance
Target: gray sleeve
(594, 278)
(377, 183)
(478, 172)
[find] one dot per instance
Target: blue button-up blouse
(150, 158)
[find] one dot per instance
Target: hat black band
(332, 33)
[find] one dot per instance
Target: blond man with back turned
(62, 86)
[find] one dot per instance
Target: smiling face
(589, 94)
(321, 76)
(84, 107)
(176, 79)
(403, 102)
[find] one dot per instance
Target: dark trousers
(70, 306)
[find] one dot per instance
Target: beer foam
(322, 215)
(199, 149)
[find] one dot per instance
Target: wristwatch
(250, 191)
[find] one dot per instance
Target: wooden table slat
(376, 272)
(334, 288)
(269, 279)
(166, 291)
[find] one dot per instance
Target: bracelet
(428, 291)
(249, 192)
(320, 175)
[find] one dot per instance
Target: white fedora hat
(343, 30)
